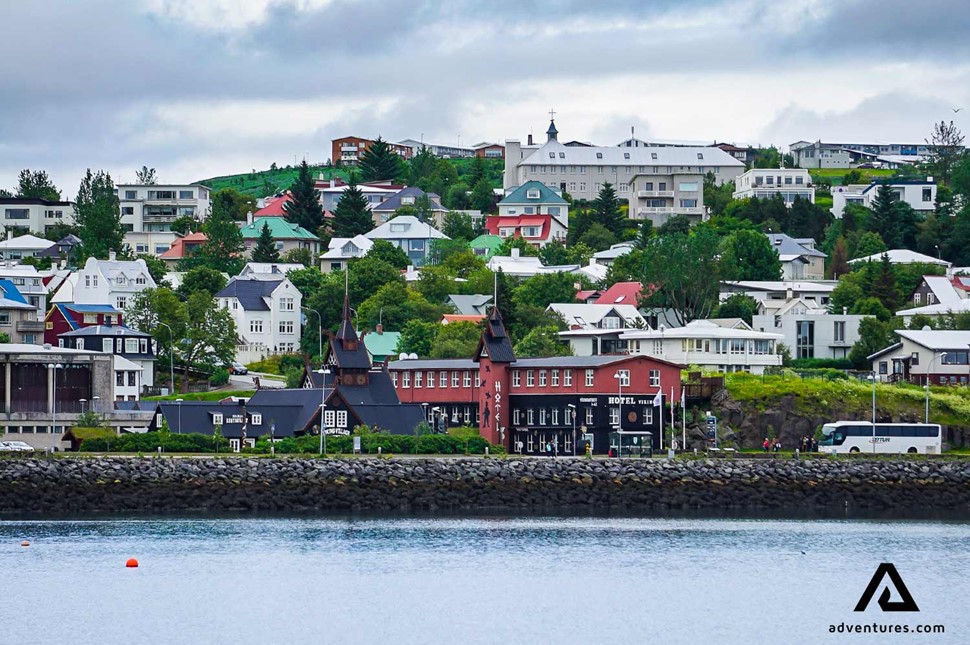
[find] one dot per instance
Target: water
(472, 580)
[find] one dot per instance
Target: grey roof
(435, 364)
(106, 330)
(785, 245)
(393, 202)
(470, 305)
(495, 342)
(401, 418)
(578, 362)
(414, 229)
(250, 292)
(615, 156)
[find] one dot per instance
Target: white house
(937, 355)
(111, 282)
(26, 215)
(268, 270)
(147, 212)
(810, 331)
(29, 283)
(342, 250)
(766, 183)
(532, 211)
(775, 294)
(579, 315)
(800, 260)
(607, 257)
(919, 194)
(410, 234)
(24, 246)
(267, 316)
(902, 256)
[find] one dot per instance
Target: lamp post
(619, 413)
(572, 411)
(435, 416)
(171, 358)
(54, 367)
(929, 371)
(272, 437)
(94, 403)
(319, 330)
(178, 402)
(83, 401)
(323, 371)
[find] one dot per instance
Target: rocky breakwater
(240, 484)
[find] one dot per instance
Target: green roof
(546, 195)
(279, 228)
(382, 344)
(490, 243)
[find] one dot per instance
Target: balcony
(669, 210)
(655, 193)
(30, 326)
(159, 218)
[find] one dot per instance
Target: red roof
(494, 222)
(621, 293)
(182, 244)
(586, 294)
(451, 318)
(274, 207)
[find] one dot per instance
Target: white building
(607, 257)
(919, 194)
(583, 316)
(902, 256)
(708, 345)
(111, 282)
(582, 170)
(766, 183)
(34, 215)
(147, 212)
(342, 250)
(775, 294)
(24, 246)
(29, 283)
(267, 316)
(937, 355)
(800, 260)
(268, 270)
(409, 234)
(810, 331)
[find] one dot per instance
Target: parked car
(237, 368)
(15, 446)
(866, 165)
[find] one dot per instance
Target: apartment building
(658, 197)
(918, 193)
(21, 216)
(147, 212)
(766, 183)
(348, 150)
(810, 331)
(819, 154)
(437, 149)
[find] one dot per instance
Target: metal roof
(250, 292)
(556, 154)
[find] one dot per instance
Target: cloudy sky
(198, 88)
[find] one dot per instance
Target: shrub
(219, 377)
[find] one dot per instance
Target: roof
(453, 318)
(902, 256)
(626, 293)
(614, 251)
(520, 195)
(250, 292)
(27, 242)
(595, 272)
(177, 250)
(818, 286)
(106, 330)
(273, 206)
(111, 268)
(382, 344)
(578, 362)
(700, 329)
(269, 268)
(962, 306)
(405, 227)
(937, 339)
(495, 343)
(91, 309)
(279, 228)
(792, 247)
(584, 315)
(495, 223)
(12, 296)
(486, 241)
(347, 247)
(345, 345)
(399, 418)
(431, 363)
(68, 242)
(470, 305)
(616, 156)
(944, 289)
(394, 202)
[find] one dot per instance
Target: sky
(200, 88)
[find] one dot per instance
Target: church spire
(552, 133)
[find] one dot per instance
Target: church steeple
(552, 134)
(346, 351)
(494, 343)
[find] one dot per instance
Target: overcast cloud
(198, 88)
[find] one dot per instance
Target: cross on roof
(552, 115)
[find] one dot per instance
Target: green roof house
(485, 245)
(287, 235)
(382, 344)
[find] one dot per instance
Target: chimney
(112, 256)
(249, 217)
(380, 329)
(333, 182)
(515, 253)
(789, 294)
(529, 141)
(845, 311)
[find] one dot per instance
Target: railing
(705, 389)
(30, 325)
(22, 406)
(655, 193)
(670, 210)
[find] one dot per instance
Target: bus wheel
(853, 450)
(912, 451)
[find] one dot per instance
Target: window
(555, 416)
(530, 416)
(418, 378)
(532, 193)
(615, 416)
(256, 326)
(917, 297)
(18, 213)
(127, 210)
(131, 194)
(662, 185)
(478, 379)
(286, 326)
(654, 378)
(914, 358)
(840, 332)
(466, 379)
(653, 155)
(555, 378)
(141, 248)
(799, 181)
(883, 367)
(186, 194)
(624, 377)
(599, 155)
(552, 155)
(688, 186)
(700, 155)
(530, 378)
(804, 339)
(256, 419)
(516, 416)
(330, 418)
(406, 379)
(454, 379)
(467, 415)
(542, 378)
(626, 155)
(131, 346)
(688, 203)
(217, 418)
(542, 416)
(589, 378)
(132, 379)
(120, 378)
(788, 180)
(431, 379)
(567, 378)
(394, 378)
(442, 379)
(927, 195)
(122, 302)
(286, 304)
(589, 416)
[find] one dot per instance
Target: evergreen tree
(97, 215)
(839, 264)
(476, 171)
(881, 221)
(422, 166)
(304, 209)
(380, 162)
(606, 211)
(352, 217)
(483, 198)
(459, 226)
(884, 284)
(265, 249)
(644, 234)
(224, 245)
(37, 185)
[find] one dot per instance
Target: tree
(156, 267)
(685, 269)
(185, 224)
(146, 176)
(417, 337)
(265, 249)
(210, 335)
(845, 296)
(606, 211)
(645, 233)
(457, 197)
(739, 305)
(390, 253)
(298, 256)
(807, 220)
(476, 171)
(544, 289)
(304, 207)
(456, 340)
(839, 264)
(238, 204)
(749, 255)
(352, 215)
(37, 185)
(554, 254)
(442, 178)
(224, 246)
(946, 149)
(435, 284)
(676, 224)
(874, 335)
(97, 214)
(201, 279)
(368, 274)
(717, 196)
(869, 244)
(483, 198)
(458, 226)
(149, 308)
(542, 342)
(422, 165)
(380, 162)
(597, 237)
(884, 284)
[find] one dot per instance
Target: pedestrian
(766, 444)
(548, 448)
(778, 445)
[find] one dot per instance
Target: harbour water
(474, 580)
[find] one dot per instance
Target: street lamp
(435, 416)
(272, 437)
(572, 410)
(171, 358)
(323, 371)
(929, 371)
(320, 330)
(178, 402)
(54, 367)
(83, 401)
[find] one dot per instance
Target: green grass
(215, 395)
(824, 201)
(267, 182)
(835, 175)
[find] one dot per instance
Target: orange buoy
(131, 563)
(25, 543)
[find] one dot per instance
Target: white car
(15, 446)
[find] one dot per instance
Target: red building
(527, 404)
(64, 318)
(348, 150)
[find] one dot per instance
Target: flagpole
(683, 417)
(660, 393)
(673, 422)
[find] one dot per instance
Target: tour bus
(858, 436)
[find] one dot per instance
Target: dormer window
(599, 155)
(399, 228)
(532, 193)
(562, 155)
(552, 155)
(626, 155)
(120, 280)
(140, 280)
(409, 200)
(653, 155)
(257, 419)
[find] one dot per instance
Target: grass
(267, 182)
(215, 395)
(835, 175)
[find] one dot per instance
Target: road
(245, 382)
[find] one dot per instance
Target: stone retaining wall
(240, 484)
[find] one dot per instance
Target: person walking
(766, 444)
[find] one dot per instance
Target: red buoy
(131, 563)
(25, 543)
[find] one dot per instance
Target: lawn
(835, 175)
(215, 395)
(267, 182)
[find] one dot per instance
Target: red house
(68, 317)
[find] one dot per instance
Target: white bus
(858, 436)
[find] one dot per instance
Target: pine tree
(422, 165)
(483, 198)
(37, 185)
(606, 211)
(380, 162)
(881, 221)
(476, 171)
(884, 284)
(224, 245)
(352, 217)
(304, 209)
(97, 215)
(839, 264)
(265, 249)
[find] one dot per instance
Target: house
(582, 170)
(819, 154)
(607, 257)
(800, 260)
(486, 245)
(130, 344)
(347, 151)
(940, 290)
(667, 191)
(375, 192)
(382, 345)
(342, 250)
(937, 356)
(268, 270)
(526, 404)
(18, 318)
(902, 256)
(23, 215)
(534, 198)
(66, 317)
(621, 293)
(766, 183)
(774, 294)
(267, 316)
(744, 154)
(63, 249)
(919, 194)
(411, 196)
(182, 247)
(147, 212)
(489, 150)
(410, 234)
(810, 331)
(274, 206)
(592, 270)
(287, 236)
(473, 305)
(29, 283)
(517, 265)
(112, 281)
(24, 246)
(599, 316)
(708, 345)
(537, 230)
(438, 150)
